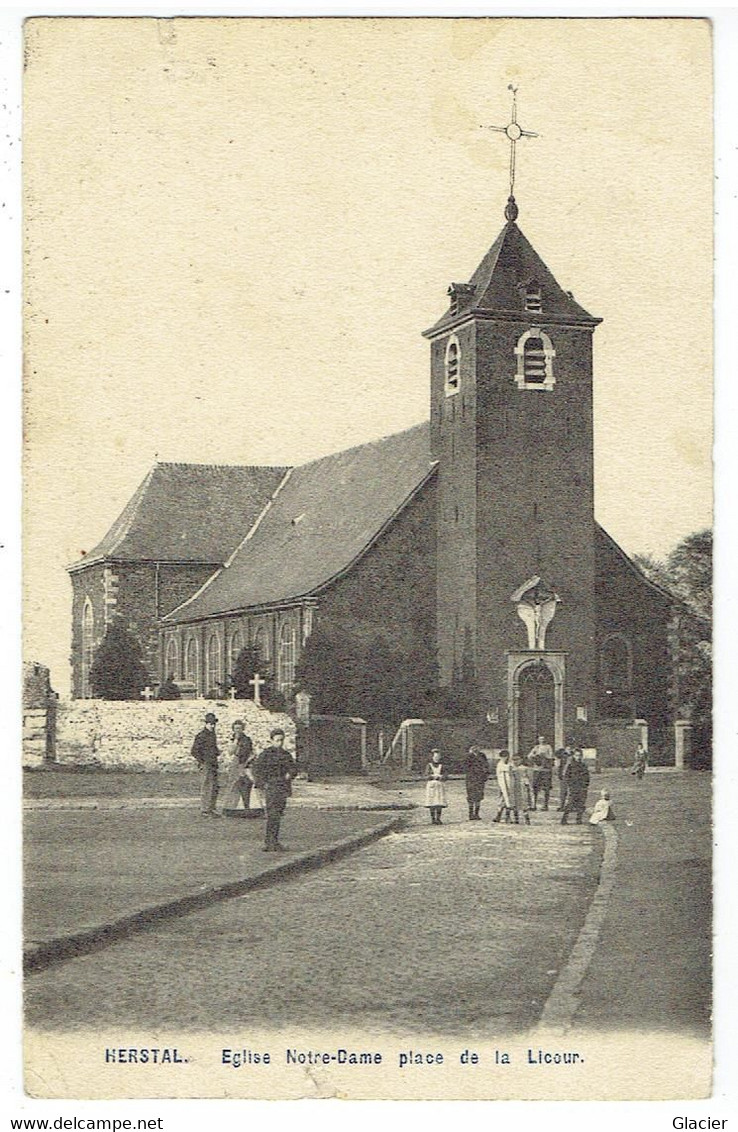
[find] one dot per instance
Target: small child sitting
(602, 811)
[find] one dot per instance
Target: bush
(118, 671)
(248, 663)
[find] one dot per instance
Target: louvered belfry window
(533, 297)
(453, 359)
(534, 362)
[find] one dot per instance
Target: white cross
(233, 693)
(147, 693)
(256, 684)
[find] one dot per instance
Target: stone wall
(157, 735)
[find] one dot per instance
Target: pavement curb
(563, 1001)
(56, 805)
(39, 956)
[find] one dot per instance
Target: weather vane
(514, 133)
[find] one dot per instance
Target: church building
(471, 537)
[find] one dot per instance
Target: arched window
(236, 648)
(88, 647)
(287, 656)
(213, 673)
(191, 662)
(452, 365)
(171, 667)
(261, 645)
(534, 354)
(616, 664)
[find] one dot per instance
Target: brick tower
(511, 429)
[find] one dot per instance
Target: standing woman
(241, 751)
(503, 773)
(435, 788)
(477, 773)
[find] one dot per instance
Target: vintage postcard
(368, 506)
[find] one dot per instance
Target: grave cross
(147, 693)
(257, 684)
(232, 694)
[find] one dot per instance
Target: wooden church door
(536, 707)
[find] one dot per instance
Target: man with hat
(273, 771)
(205, 753)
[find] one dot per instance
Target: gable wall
(391, 591)
(628, 605)
(129, 590)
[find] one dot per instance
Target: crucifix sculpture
(536, 605)
(514, 133)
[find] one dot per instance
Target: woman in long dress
(477, 773)
(241, 754)
(435, 787)
(520, 792)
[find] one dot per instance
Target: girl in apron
(435, 788)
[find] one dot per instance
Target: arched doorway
(536, 706)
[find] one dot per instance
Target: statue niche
(536, 605)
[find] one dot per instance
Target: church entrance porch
(535, 694)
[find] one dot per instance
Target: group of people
(521, 786)
(262, 782)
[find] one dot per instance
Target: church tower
(511, 430)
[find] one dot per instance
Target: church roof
(497, 287)
(323, 516)
(187, 513)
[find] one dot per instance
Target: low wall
(156, 735)
(453, 737)
(617, 742)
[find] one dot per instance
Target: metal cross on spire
(514, 133)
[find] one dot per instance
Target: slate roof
(322, 518)
(499, 282)
(187, 513)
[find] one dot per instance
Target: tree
(687, 573)
(248, 663)
(329, 670)
(118, 671)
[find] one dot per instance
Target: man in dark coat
(273, 771)
(576, 777)
(562, 759)
(477, 773)
(205, 753)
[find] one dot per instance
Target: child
(602, 811)
(639, 762)
(503, 772)
(520, 790)
(435, 790)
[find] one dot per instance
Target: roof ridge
(364, 444)
(245, 467)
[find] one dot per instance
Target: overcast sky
(237, 229)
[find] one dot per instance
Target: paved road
(460, 929)
(652, 968)
(88, 867)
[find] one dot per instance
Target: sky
(237, 229)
